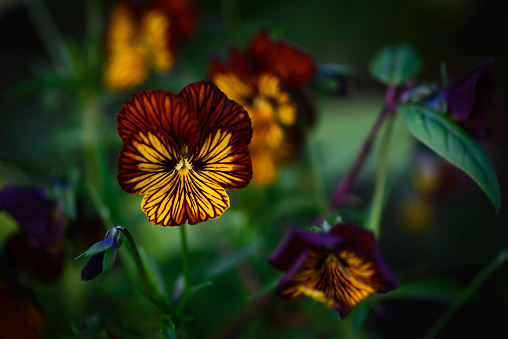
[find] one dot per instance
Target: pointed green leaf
(451, 142)
(168, 328)
(98, 247)
(394, 65)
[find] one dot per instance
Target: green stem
(185, 260)
(97, 170)
(320, 191)
(379, 188)
(139, 264)
(484, 274)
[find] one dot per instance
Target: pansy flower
(468, 98)
(182, 152)
(145, 35)
(261, 82)
(339, 268)
(37, 248)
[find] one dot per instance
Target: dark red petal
(161, 109)
(238, 64)
(213, 107)
(289, 62)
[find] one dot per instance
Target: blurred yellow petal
(270, 88)
(264, 165)
(134, 47)
(126, 69)
(236, 89)
(154, 31)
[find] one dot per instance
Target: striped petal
(186, 198)
(223, 158)
(214, 108)
(162, 109)
(147, 161)
(340, 281)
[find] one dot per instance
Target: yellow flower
(140, 39)
(260, 83)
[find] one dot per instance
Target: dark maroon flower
(339, 268)
(469, 97)
(38, 216)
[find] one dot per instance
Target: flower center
(263, 107)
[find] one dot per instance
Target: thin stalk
(379, 188)
(484, 274)
(185, 259)
(320, 191)
(342, 190)
(139, 264)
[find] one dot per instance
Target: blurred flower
(469, 97)
(37, 248)
(144, 35)
(20, 315)
(102, 255)
(38, 216)
(339, 268)
(183, 152)
(260, 81)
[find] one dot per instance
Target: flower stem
(139, 264)
(341, 192)
(484, 274)
(185, 260)
(379, 188)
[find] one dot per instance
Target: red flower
(183, 152)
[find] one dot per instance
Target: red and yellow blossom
(182, 152)
(144, 37)
(260, 81)
(339, 268)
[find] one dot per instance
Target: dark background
(465, 234)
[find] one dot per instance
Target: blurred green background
(39, 134)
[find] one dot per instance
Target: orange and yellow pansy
(261, 81)
(144, 37)
(183, 152)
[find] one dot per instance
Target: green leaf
(98, 247)
(394, 65)
(107, 263)
(452, 143)
(168, 328)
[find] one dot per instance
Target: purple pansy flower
(102, 255)
(468, 98)
(339, 268)
(39, 217)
